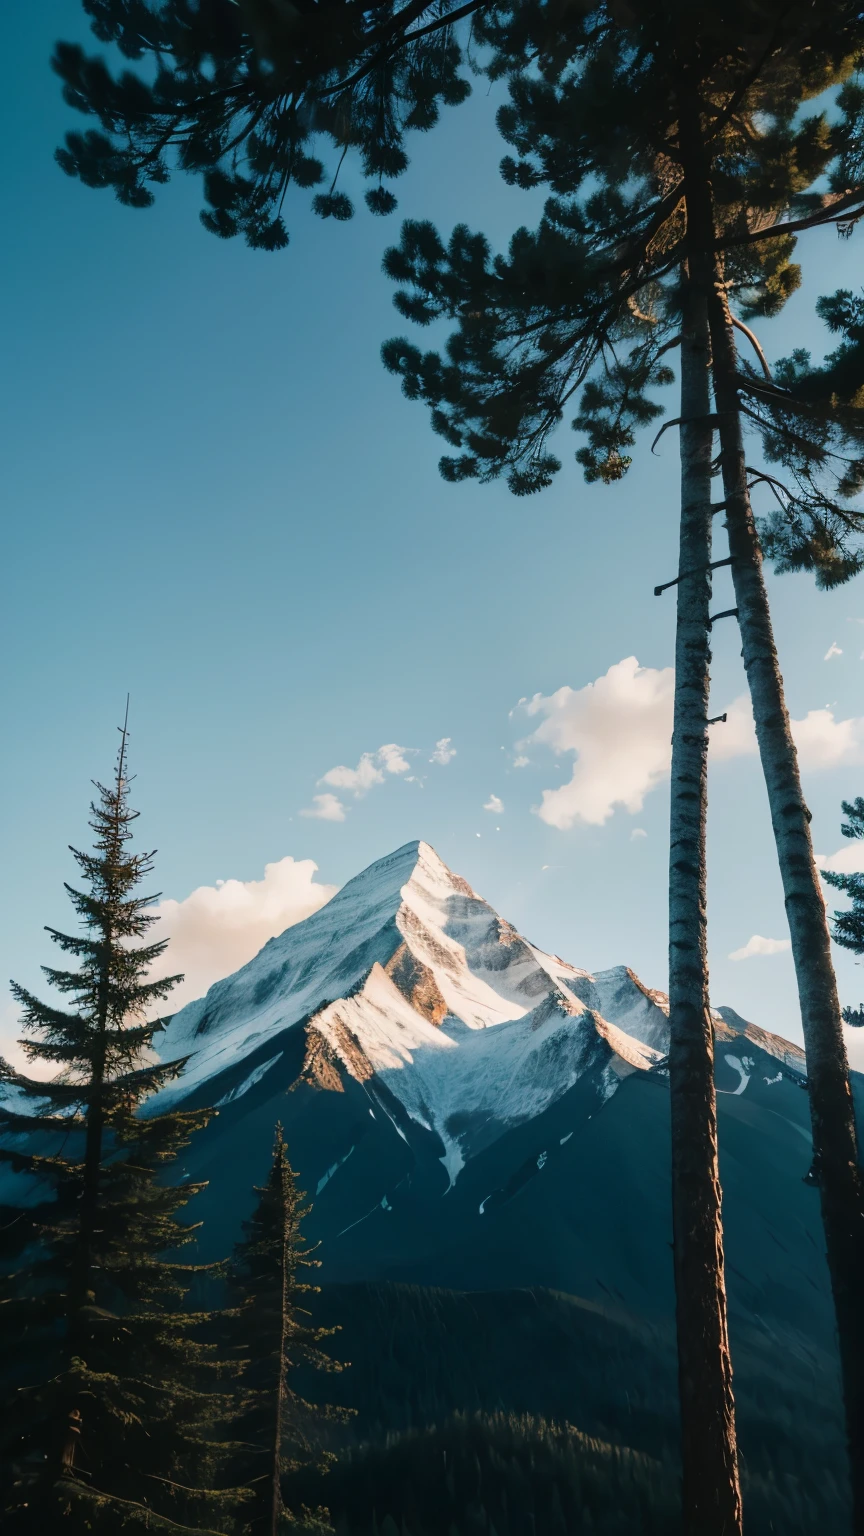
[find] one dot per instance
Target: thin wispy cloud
(833, 650)
(494, 804)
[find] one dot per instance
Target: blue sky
(216, 499)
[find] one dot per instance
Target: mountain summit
(409, 979)
(416, 1047)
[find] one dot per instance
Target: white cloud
(212, 932)
(822, 740)
(325, 808)
(833, 650)
(619, 728)
(637, 832)
(756, 945)
(444, 751)
(848, 860)
(494, 804)
(371, 769)
(736, 735)
(219, 927)
(521, 762)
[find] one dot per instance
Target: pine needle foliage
(581, 315)
(244, 94)
(275, 1337)
(110, 1414)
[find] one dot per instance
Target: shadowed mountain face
(468, 1111)
(476, 1119)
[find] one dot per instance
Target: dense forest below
(547, 1415)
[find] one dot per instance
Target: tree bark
(276, 1505)
(710, 1487)
(835, 1168)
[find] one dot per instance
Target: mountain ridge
(396, 979)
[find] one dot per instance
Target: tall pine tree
(111, 1416)
(672, 143)
(276, 1337)
(669, 140)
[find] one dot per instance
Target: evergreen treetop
(275, 1336)
(113, 1407)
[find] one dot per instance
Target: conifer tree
(109, 1413)
(668, 137)
(671, 145)
(276, 1337)
(848, 926)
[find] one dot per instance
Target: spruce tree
(110, 1415)
(848, 926)
(274, 1336)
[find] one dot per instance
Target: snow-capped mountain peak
(409, 982)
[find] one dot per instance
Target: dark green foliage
(586, 307)
(111, 1407)
(243, 93)
(423, 1357)
(274, 1335)
(839, 382)
(500, 1475)
(848, 926)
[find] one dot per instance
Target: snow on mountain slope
(407, 974)
(410, 978)
(618, 994)
(459, 1081)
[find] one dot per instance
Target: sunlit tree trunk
(710, 1487)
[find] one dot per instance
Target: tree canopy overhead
(246, 94)
(582, 312)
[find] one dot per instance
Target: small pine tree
(274, 1336)
(848, 927)
(108, 1414)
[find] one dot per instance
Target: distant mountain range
(484, 1131)
(447, 1088)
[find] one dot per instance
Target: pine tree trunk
(835, 1166)
(276, 1505)
(79, 1286)
(90, 1182)
(710, 1490)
